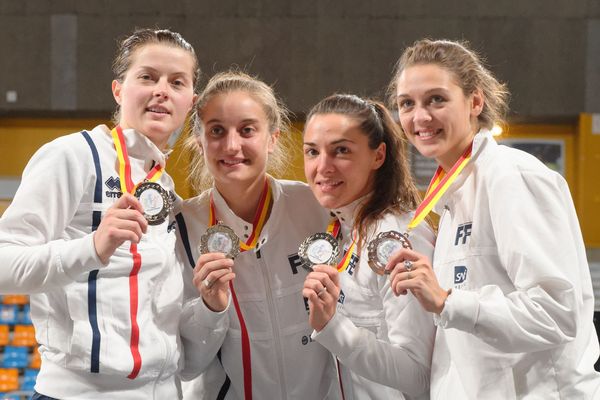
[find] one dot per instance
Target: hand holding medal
(383, 246)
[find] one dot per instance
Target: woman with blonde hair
(266, 352)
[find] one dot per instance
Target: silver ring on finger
(408, 265)
(322, 292)
(207, 283)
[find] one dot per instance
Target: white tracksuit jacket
(286, 363)
(518, 324)
(81, 309)
(377, 336)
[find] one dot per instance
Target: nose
(421, 114)
(161, 89)
(324, 164)
(232, 141)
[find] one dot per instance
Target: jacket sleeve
(540, 247)
(34, 254)
(404, 362)
(202, 330)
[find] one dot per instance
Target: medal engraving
(383, 246)
(220, 239)
(320, 248)
(155, 200)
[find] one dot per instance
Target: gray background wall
(56, 54)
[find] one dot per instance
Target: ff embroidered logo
(462, 232)
(114, 186)
(460, 276)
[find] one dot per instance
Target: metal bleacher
(19, 357)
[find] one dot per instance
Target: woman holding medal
(242, 241)
(89, 236)
(354, 160)
(509, 287)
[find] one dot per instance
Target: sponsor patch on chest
(460, 276)
(463, 232)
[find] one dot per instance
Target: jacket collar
(140, 147)
(482, 142)
(348, 213)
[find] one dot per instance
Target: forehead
(233, 106)
(425, 77)
(326, 127)
(163, 56)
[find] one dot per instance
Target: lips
(329, 185)
(234, 162)
(427, 133)
(158, 110)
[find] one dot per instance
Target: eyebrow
(330, 144)
(426, 92)
(245, 121)
(149, 68)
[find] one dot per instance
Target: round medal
(155, 200)
(383, 246)
(220, 239)
(320, 248)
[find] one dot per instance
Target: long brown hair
(393, 188)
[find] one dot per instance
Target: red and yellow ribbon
(260, 218)
(334, 229)
(440, 182)
(127, 185)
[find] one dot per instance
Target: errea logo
(114, 186)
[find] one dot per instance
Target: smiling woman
(238, 126)
(505, 304)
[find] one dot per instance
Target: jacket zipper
(274, 324)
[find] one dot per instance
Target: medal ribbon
(438, 186)
(334, 229)
(127, 186)
(260, 218)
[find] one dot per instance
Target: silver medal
(155, 200)
(220, 239)
(320, 248)
(383, 246)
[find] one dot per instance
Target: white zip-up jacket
(384, 342)
(285, 362)
(82, 309)
(518, 323)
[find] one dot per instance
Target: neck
(243, 200)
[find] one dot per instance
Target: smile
(232, 163)
(329, 185)
(426, 134)
(157, 110)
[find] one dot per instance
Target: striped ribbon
(334, 229)
(260, 219)
(440, 182)
(127, 186)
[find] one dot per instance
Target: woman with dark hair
(355, 164)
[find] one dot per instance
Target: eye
(310, 152)
(145, 77)
(342, 150)
(216, 130)
(437, 99)
(178, 82)
(248, 130)
(405, 104)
